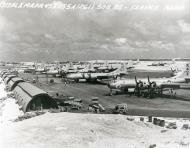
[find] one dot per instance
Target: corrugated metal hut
(5, 75)
(13, 82)
(3, 72)
(32, 98)
(8, 78)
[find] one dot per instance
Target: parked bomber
(69, 68)
(53, 71)
(146, 68)
(98, 76)
(40, 69)
(150, 87)
(106, 67)
(88, 68)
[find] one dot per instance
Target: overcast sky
(55, 34)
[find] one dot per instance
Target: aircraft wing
(170, 85)
(103, 81)
(104, 77)
(125, 86)
(175, 86)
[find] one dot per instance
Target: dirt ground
(90, 131)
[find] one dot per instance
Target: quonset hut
(29, 97)
(4, 76)
(13, 82)
(8, 78)
(3, 72)
(32, 98)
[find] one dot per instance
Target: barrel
(149, 118)
(141, 119)
(155, 121)
(158, 122)
(162, 123)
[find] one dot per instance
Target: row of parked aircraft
(67, 68)
(151, 87)
(143, 86)
(92, 70)
(95, 76)
(112, 74)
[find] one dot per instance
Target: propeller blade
(135, 79)
(108, 84)
(116, 77)
(148, 79)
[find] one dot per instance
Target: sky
(140, 29)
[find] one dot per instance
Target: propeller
(138, 83)
(108, 84)
(139, 86)
(151, 84)
(83, 75)
(89, 75)
(151, 87)
(115, 77)
(136, 79)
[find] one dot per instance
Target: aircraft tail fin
(130, 64)
(184, 73)
(71, 65)
(91, 66)
(173, 61)
(187, 70)
(121, 70)
(123, 67)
